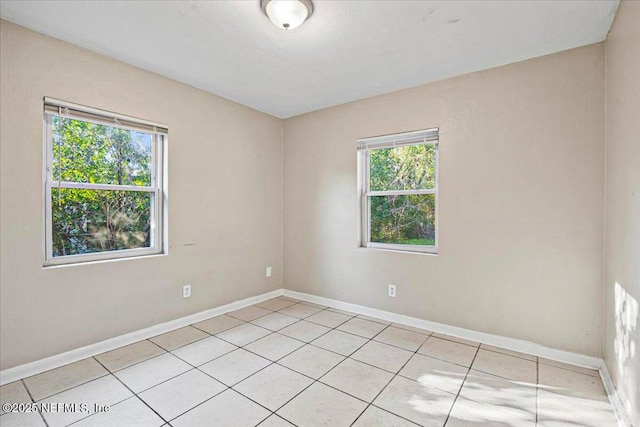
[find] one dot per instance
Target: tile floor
(284, 362)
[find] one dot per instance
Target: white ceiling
(346, 51)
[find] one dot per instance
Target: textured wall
(225, 202)
(521, 202)
(622, 259)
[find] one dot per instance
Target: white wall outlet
(392, 291)
(268, 272)
(186, 291)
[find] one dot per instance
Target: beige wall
(521, 202)
(622, 262)
(225, 202)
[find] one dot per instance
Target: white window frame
(158, 187)
(365, 145)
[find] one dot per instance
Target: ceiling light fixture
(287, 14)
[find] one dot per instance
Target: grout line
(70, 388)
(313, 379)
(244, 379)
(133, 364)
(506, 354)
(537, 385)
(396, 374)
(461, 386)
(201, 403)
(183, 345)
(134, 394)
(32, 401)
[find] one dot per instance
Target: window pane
(93, 153)
(86, 221)
(403, 168)
(403, 219)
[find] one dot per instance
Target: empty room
(309, 213)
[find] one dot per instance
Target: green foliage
(405, 218)
(86, 221)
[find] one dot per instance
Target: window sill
(101, 261)
(397, 250)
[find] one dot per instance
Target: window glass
(95, 153)
(403, 219)
(410, 167)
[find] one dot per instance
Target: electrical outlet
(392, 291)
(186, 291)
(268, 273)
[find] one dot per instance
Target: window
(399, 190)
(104, 185)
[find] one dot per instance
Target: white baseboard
(481, 337)
(614, 398)
(33, 368)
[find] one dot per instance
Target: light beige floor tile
(449, 351)
(273, 386)
(502, 365)
(556, 410)
(249, 313)
(304, 331)
(14, 392)
(466, 413)
(22, 419)
(409, 399)
(508, 352)
(456, 339)
(373, 319)
(328, 318)
(204, 350)
(275, 421)
(275, 304)
(362, 327)
(226, 409)
(435, 373)
(243, 334)
(151, 372)
(376, 417)
(63, 378)
(345, 312)
(563, 381)
(300, 311)
(274, 346)
(512, 396)
(131, 413)
(179, 337)
(218, 324)
(178, 395)
(401, 338)
(233, 367)
(286, 298)
(382, 356)
(580, 369)
(123, 357)
(320, 405)
(311, 361)
(358, 379)
(412, 329)
(103, 391)
(275, 321)
(313, 304)
(340, 342)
